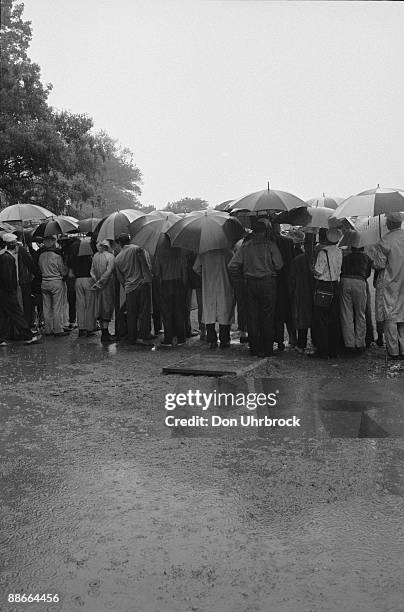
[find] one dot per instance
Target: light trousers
(353, 312)
(394, 335)
(85, 304)
(53, 300)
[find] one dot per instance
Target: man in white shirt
(326, 332)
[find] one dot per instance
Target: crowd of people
(277, 285)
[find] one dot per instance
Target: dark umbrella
(88, 225)
(206, 230)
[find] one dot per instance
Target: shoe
(281, 346)
(106, 336)
(243, 339)
(192, 334)
(67, 330)
(300, 350)
(4, 343)
(225, 345)
(212, 345)
(316, 355)
(61, 334)
(82, 333)
(166, 344)
(393, 357)
(34, 339)
(181, 342)
(379, 342)
(90, 333)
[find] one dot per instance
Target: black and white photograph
(201, 306)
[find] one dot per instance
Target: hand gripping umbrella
(206, 230)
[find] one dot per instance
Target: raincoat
(390, 256)
(102, 272)
(217, 291)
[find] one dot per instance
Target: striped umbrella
(56, 225)
(371, 203)
(118, 223)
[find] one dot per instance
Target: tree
(186, 205)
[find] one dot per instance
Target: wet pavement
(105, 505)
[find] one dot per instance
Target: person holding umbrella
(258, 260)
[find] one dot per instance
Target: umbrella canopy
(325, 201)
(224, 205)
(319, 217)
(56, 225)
(267, 199)
(88, 225)
(24, 212)
(118, 223)
(206, 230)
(147, 230)
(371, 203)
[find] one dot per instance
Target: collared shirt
(51, 266)
(322, 270)
(256, 258)
(133, 267)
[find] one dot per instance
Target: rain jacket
(217, 291)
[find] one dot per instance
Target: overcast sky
(216, 97)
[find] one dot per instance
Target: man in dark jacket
(10, 309)
(283, 314)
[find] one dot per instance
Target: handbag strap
(328, 262)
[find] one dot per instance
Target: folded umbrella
(146, 231)
(371, 203)
(207, 230)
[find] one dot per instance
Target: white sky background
(216, 97)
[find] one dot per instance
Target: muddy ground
(106, 506)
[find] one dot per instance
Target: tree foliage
(50, 157)
(186, 205)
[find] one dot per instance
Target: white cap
(9, 238)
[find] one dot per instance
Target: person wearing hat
(53, 270)
(326, 332)
(389, 256)
(258, 261)
(102, 273)
(355, 270)
(11, 313)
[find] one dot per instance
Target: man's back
(130, 266)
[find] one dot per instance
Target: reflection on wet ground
(113, 510)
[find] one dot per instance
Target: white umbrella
(118, 223)
(325, 201)
(25, 212)
(267, 199)
(371, 203)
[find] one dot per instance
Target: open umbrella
(325, 201)
(85, 247)
(206, 230)
(118, 223)
(24, 212)
(147, 230)
(224, 205)
(319, 217)
(56, 225)
(267, 199)
(371, 203)
(88, 225)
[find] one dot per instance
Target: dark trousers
(156, 302)
(326, 323)
(261, 300)
(11, 316)
(173, 308)
(27, 304)
(283, 314)
(144, 324)
(224, 333)
(71, 298)
(135, 306)
(302, 338)
(240, 291)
